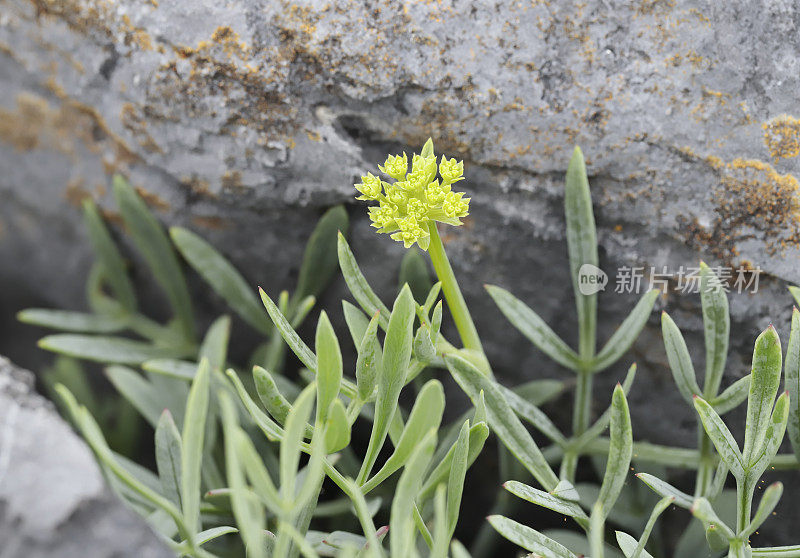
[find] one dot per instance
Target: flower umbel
(408, 206)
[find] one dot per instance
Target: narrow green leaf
(768, 502)
(666, 490)
(626, 333)
(337, 428)
(629, 545)
(426, 415)
(71, 373)
(72, 321)
(679, 360)
(215, 344)
(368, 363)
(620, 451)
(455, 481)
(356, 321)
(566, 491)
(792, 370)
(220, 274)
(153, 244)
(539, 392)
(214, 533)
(436, 322)
(288, 333)
(319, 259)
(658, 509)
(773, 436)
(582, 247)
(138, 391)
(795, 292)
(502, 419)
(477, 437)
(529, 539)
(270, 429)
(433, 295)
(733, 396)
(312, 475)
(172, 368)
(533, 327)
(247, 511)
(96, 293)
(329, 366)
(716, 324)
(718, 482)
(302, 310)
(764, 383)
(292, 439)
(441, 539)
(358, 285)
(424, 350)
(545, 499)
(480, 408)
(401, 523)
(253, 466)
(394, 366)
(168, 457)
(373, 547)
(271, 397)
(111, 350)
(595, 430)
(194, 425)
(533, 415)
(94, 437)
(721, 437)
(109, 257)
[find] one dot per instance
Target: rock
(243, 120)
(53, 499)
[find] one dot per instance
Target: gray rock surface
(243, 120)
(53, 498)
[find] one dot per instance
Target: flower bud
(395, 166)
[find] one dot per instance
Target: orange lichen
(752, 200)
(36, 124)
(132, 119)
(232, 180)
(782, 137)
(152, 200)
(75, 192)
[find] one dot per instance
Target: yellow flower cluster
(408, 207)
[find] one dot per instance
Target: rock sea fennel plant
(254, 459)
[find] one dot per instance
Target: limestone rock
(53, 498)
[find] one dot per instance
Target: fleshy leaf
(582, 247)
(716, 324)
(679, 360)
(533, 327)
(220, 274)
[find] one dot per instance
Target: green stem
(705, 470)
(452, 293)
(580, 420)
(744, 503)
